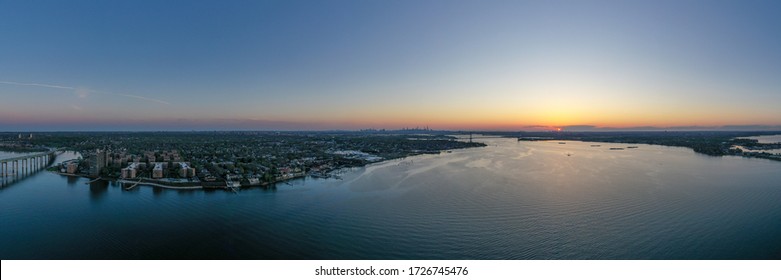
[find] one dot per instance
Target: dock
(134, 185)
(231, 186)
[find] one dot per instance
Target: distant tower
(31, 136)
(470, 137)
(20, 136)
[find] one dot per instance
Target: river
(509, 200)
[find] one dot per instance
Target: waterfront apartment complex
(97, 162)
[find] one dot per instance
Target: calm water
(767, 138)
(511, 200)
(4, 154)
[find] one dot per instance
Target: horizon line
(402, 130)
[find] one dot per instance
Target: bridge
(479, 136)
(26, 164)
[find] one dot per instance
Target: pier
(134, 185)
(234, 187)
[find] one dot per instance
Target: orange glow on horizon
(509, 117)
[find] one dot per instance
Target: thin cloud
(84, 93)
(36, 85)
(139, 97)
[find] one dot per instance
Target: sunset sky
(299, 65)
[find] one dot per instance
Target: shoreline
(144, 182)
(330, 174)
(141, 183)
(327, 175)
(709, 145)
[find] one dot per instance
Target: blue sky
(140, 65)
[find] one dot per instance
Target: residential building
(185, 171)
(97, 162)
(129, 172)
(157, 172)
(72, 168)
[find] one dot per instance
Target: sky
(322, 65)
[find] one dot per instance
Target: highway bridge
(26, 164)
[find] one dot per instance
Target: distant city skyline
(348, 65)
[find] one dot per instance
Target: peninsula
(226, 159)
(712, 143)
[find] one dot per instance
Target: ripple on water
(511, 200)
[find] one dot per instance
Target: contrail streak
(90, 91)
(36, 85)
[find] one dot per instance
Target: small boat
(632, 147)
(616, 149)
(568, 154)
(596, 145)
(562, 143)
